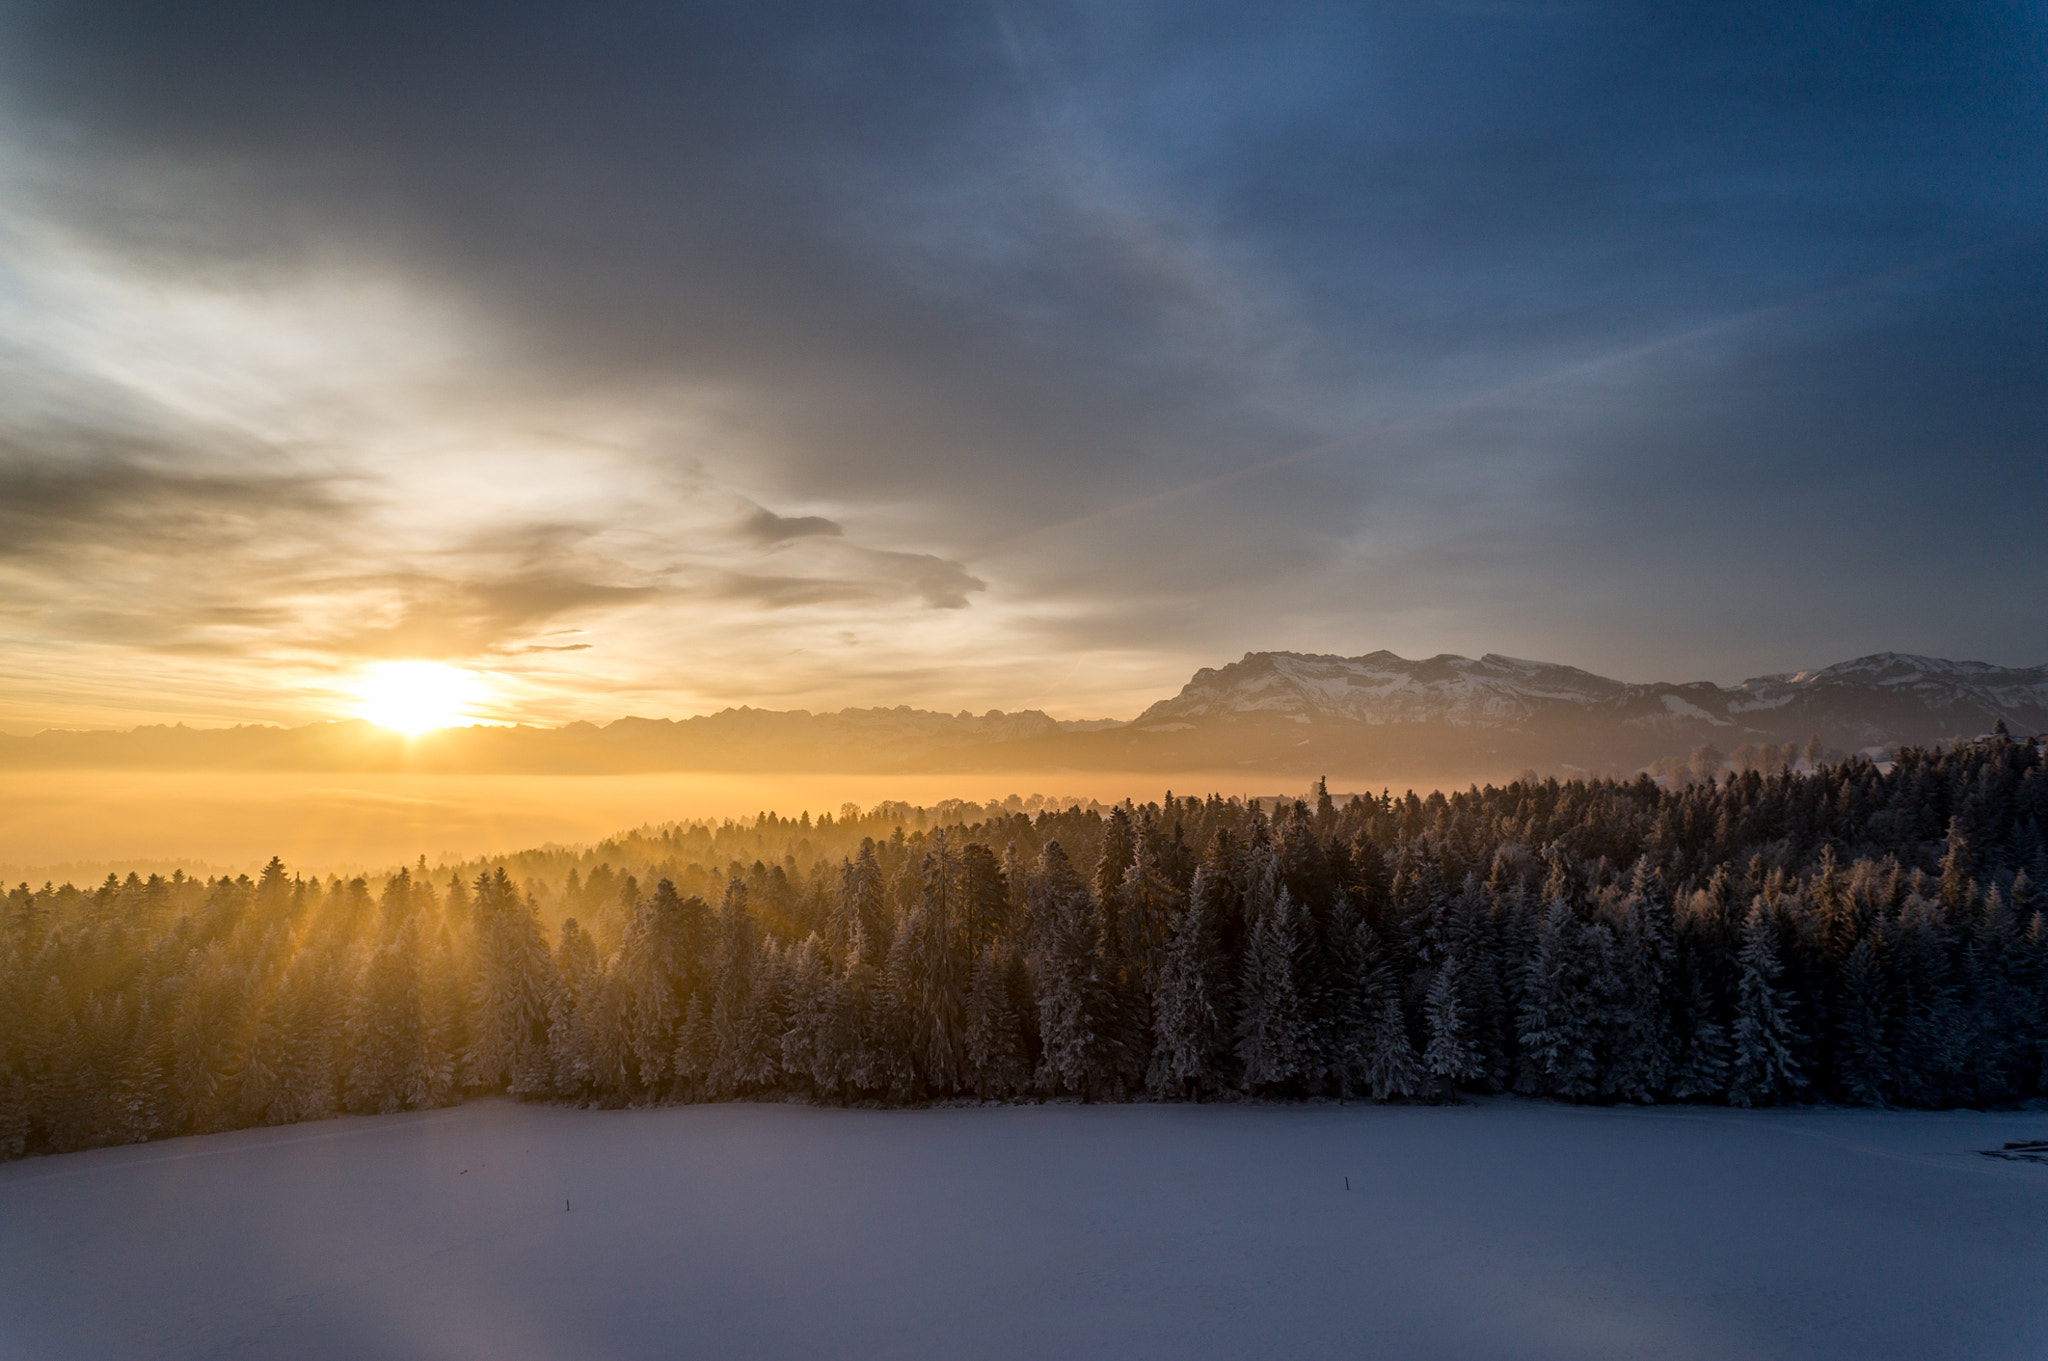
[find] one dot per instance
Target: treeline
(1853, 934)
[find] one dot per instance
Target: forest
(1854, 933)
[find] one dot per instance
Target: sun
(417, 697)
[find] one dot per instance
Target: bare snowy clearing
(1507, 1230)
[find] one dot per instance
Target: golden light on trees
(417, 697)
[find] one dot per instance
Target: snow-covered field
(1501, 1230)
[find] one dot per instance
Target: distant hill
(1376, 716)
(1886, 698)
(733, 739)
(1490, 717)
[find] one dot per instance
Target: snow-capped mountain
(1887, 697)
(1381, 688)
(1899, 697)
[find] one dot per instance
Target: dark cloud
(79, 490)
(765, 526)
(1676, 332)
(781, 592)
(431, 617)
(943, 585)
(869, 575)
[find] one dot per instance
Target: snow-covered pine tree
(447, 1017)
(1762, 1068)
(985, 906)
(732, 995)
(1451, 1056)
(1642, 1061)
(809, 988)
(859, 910)
(998, 1051)
(309, 1007)
(1862, 1057)
(932, 971)
(1273, 1022)
(512, 976)
(1188, 1013)
(767, 1018)
(1074, 1000)
(1702, 1067)
(388, 1022)
(1378, 1049)
(571, 1040)
(1929, 1023)
(1996, 1046)
(140, 1084)
(696, 1051)
(1561, 1010)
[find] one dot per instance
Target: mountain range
(1379, 716)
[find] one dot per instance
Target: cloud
(786, 592)
(765, 526)
(418, 615)
(333, 331)
(86, 492)
(943, 585)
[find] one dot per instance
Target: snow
(1505, 1229)
(1684, 708)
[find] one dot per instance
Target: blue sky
(652, 358)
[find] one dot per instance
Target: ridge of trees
(1851, 934)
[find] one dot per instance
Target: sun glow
(417, 697)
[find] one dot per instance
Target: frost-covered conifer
(859, 909)
(932, 971)
(571, 1038)
(512, 975)
(1642, 1063)
(1702, 1069)
(1190, 1035)
(998, 1043)
(696, 1050)
(1761, 1068)
(388, 1026)
(1074, 1001)
(805, 1031)
(1273, 1025)
(1451, 1057)
(1388, 1065)
(1862, 1059)
(1561, 1009)
(734, 1038)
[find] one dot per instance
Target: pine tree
(1862, 1057)
(1273, 1026)
(1560, 1020)
(733, 1061)
(1761, 1067)
(1451, 1057)
(388, 1025)
(932, 972)
(1188, 1013)
(805, 1042)
(696, 1050)
(571, 1039)
(1644, 1063)
(859, 916)
(1075, 1005)
(1387, 1061)
(511, 981)
(998, 1051)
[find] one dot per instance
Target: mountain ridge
(1449, 715)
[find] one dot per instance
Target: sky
(655, 358)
